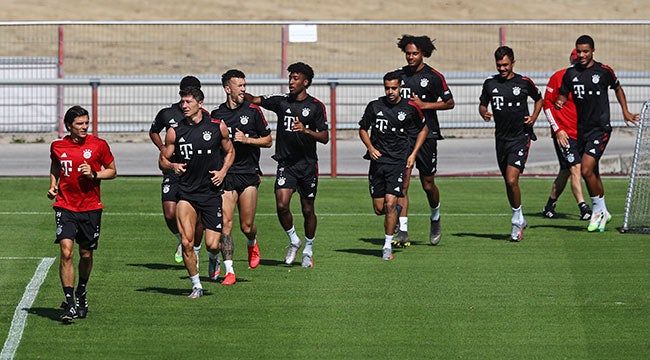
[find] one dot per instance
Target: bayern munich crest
(87, 154)
(207, 135)
(424, 82)
(243, 120)
(516, 90)
(305, 112)
(595, 79)
(401, 116)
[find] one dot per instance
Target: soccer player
(383, 129)
(507, 93)
(249, 131)
(79, 162)
(564, 130)
(201, 167)
(166, 118)
(302, 122)
(588, 81)
(426, 87)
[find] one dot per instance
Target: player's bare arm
(437, 105)
(164, 159)
(422, 135)
(628, 117)
(320, 136)
(530, 120)
(229, 156)
(485, 114)
(55, 171)
(365, 138)
(257, 100)
(262, 142)
(560, 101)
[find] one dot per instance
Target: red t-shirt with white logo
(76, 191)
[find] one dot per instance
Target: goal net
(637, 203)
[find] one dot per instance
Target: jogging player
(564, 130)
(588, 81)
(383, 129)
(200, 141)
(302, 122)
(507, 93)
(249, 131)
(166, 118)
(427, 88)
(79, 162)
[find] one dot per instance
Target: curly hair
(304, 69)
(423, 43)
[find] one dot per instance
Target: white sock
(435, 213)
(604, 206)
(403, 223)
(196, 281)
(293, 237)
(596, 204)
(309, 243)
(388, 239)
(517, 215)
(228, 265)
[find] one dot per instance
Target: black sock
(67, 291)
(81, 287)
(550, 203)
(583, 205)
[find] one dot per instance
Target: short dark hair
(504, 51)
(232, 73)
(195, 92)
(423, 43)
(304, 69)
(393, 75)
(190, 81)
(585, 39)
(73, 113)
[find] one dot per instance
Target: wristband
(94, 175)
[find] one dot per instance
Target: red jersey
(565, 119)
(77, 192)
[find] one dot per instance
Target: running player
(588, 81)
(507, 94)
(383, 129)
(302, 122)
(199, 141)
(249, 131)
(79, 162)
(428, 89)
(564, 130)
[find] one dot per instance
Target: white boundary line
(20, 315)
(369, 214)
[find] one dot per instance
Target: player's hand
(51, 193)
(634, 119)
(562, 138)
(558, 104)
(217, 177)
(416, 100)
(410, 161)
(240, 136)
(297, 126)
(487, 116)
(528, 120)
(86, 170)
(374, 153)
(179, 169)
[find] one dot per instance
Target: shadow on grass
(267, 262)
(168, 291)
(502, 237)
(565, 227)
(154, 266)
(53, 314)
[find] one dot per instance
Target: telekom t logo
(186, 151)
(66, 165)
(497, 102)
(382, 124)
(579, 91)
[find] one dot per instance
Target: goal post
(637, 202)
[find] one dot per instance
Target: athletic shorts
(426, 160)
(593, 143)
(567, 156)
(299, 176)
(82, 227)
(169, 187)
(386, 179)
(209, 206)
(512, 153)
(239, 182)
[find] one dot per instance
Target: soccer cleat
(402, 239)
(82, 305)
(518, 231)
(253, 256)
(387, 254)
(178, 257)
(196, 293)
(214, 267)
(436, 233)
(604, 220)
(549, 212)
(594, 222)
(585, 212)
(292, 249)
(69, 312)
(307, 261)
(230, 279)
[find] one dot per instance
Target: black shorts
(386, 179)
(209, 206)
(593, 143)
(567, 156)
(82, 227)
(299, 176)
(239, 182)
(426, 160)
(169, 187)
(513, 153)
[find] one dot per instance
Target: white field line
(370, 214)
(20, 315)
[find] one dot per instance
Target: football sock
(596, 202)
(67, 291)
(550, 203)
(602, 204)
(309, 243)
(293, 237)
(197, 250)
(228, 265)
(398, 209)
(81, 287)
(435, 213)
(196, 281)
(251, 243)
(517, 215)
(403, 223)
(388, 239)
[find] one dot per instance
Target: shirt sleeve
(367, 118)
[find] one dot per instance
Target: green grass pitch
(562, 293)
